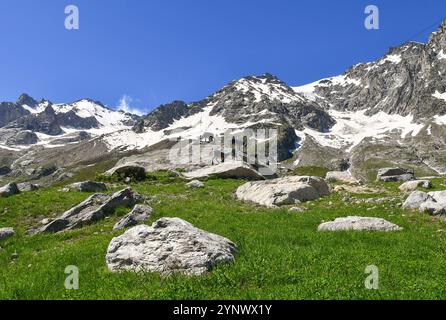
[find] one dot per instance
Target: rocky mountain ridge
(391, 111)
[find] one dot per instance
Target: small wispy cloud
(125, 105)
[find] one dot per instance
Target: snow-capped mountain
(383, 113)
(29, 122)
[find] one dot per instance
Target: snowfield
(353, 127)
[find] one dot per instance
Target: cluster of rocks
(13, 188)
(94, 208)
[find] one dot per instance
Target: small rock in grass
(6, 233)
(140, 213)
(296, 210)
(358, 224)
(170, 245)
(195, 184)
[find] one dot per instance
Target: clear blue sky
(156, 51)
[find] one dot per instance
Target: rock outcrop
(170, 245)
(283, 191)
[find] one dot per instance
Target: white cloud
(125, 105)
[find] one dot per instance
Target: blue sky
(153, 52)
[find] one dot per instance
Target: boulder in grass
(283, 191)
(139, 214)
(87, 186)
(410, 186)
(395, 175)
(358, 224)
(433, 203)
(9, 190)
(195, 184)
(6, 233)
(132, 171)
(170, 245)
(28, 186)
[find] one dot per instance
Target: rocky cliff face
(408, 80)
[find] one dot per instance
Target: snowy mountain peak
(266, 87)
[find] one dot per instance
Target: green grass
(310, 171)
(281, 255)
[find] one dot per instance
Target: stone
(410, 186)
(358, 224)
(9, 190)
(87, 186)
(28, 186)
(195, 184)
(140, 213)
(395, 174)
(4, 170)
(283, 191)
(341, 176)
(6, 233)
(415, 200)
(432, 202)
(132, 171)
(224, 170)
(94, 208)
(169, 246)
(296, 210)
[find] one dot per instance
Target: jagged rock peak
(25, 99)
(437, 40)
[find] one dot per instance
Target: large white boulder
(358, 224)
(283, 191)
(432, 202)
(170, 245)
